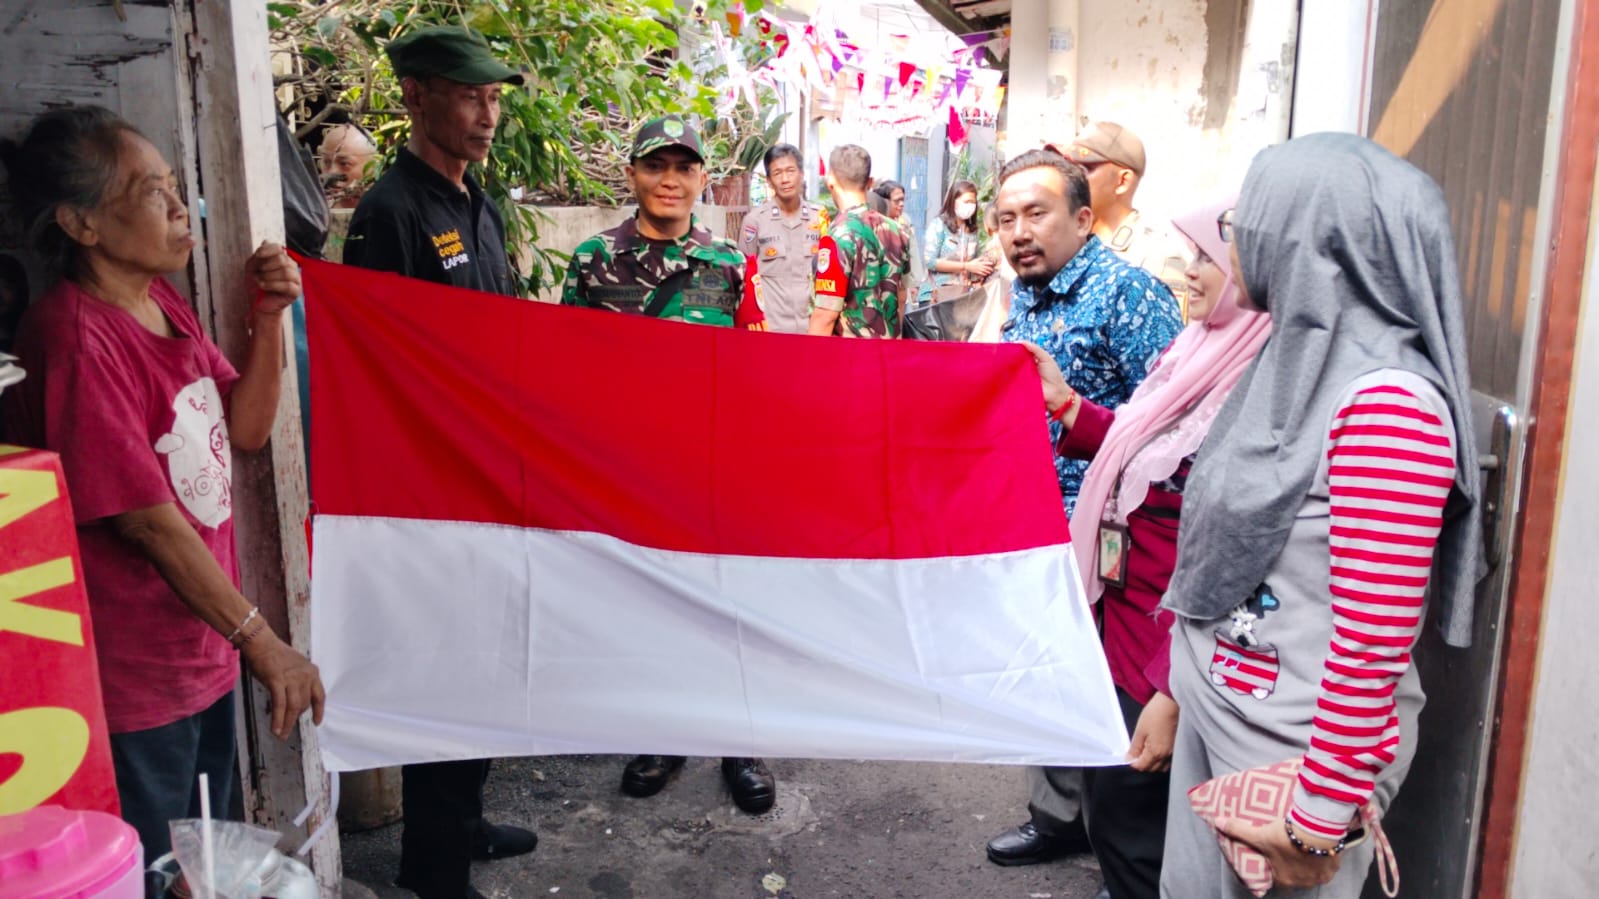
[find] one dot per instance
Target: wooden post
(235, 120)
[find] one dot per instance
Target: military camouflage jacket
(859, 268)
(620, 269)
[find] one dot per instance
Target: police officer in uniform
(781, 236)
(662, 263)
(428, 218)
(1113, 157)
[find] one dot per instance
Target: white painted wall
(1555, 854)
(1141, 63)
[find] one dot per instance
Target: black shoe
(753, 787)
(502, 841)
(1104, 892)
(1027, 845)
(648, 774)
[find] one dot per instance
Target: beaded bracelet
(1308, 849)
(1065, 407)
(254, 611)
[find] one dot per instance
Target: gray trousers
(1056, 799)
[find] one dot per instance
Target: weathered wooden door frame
(1556, 339)
(231, 114)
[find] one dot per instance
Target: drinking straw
(206, 851)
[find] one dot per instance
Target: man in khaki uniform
(781, 236)
(1113, 157)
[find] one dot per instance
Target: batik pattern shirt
(620, 269)
(1104, 322)
(860, 266)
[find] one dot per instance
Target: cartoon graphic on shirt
(1241, 662)
(199, 456)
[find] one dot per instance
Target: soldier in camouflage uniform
(863, 264)
(662, 263)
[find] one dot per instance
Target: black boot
(646, 775)
(752, 785)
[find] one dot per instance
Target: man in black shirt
(428, 218)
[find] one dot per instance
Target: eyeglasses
(1224, 226)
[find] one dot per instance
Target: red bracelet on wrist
(1065, 407)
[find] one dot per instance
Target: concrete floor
(848, 829)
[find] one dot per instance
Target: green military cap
(667, 131)
(448, 51)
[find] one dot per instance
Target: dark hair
(782, 151)
(885, 189)
(68, 158)
(947, 211)
(876, 202)
(851, 166)
(1075, 177)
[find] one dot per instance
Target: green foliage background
(596, 69)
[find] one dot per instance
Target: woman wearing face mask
(954, 248)
(1125, 535)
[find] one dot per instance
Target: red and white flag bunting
(546, 530)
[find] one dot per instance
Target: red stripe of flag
(439, 403)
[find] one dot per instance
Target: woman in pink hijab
(1124, 533)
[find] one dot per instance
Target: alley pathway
(861, 830)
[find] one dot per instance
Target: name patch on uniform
(450, 248)
(618, 296)
(722, 299)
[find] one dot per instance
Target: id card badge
(1114, 541)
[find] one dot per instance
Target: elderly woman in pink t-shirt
(144, 412)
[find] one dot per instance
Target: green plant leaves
(597, 69)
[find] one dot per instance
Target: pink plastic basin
(54, 853)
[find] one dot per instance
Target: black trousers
(1126, 813)
(443, 818)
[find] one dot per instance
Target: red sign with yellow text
(54, 747)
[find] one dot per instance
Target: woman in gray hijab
(1331, 509)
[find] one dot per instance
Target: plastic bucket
(54, 853)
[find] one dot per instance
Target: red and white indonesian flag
(546, 530)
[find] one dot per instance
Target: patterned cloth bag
(1262, 796)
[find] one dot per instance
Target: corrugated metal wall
(1462, 89)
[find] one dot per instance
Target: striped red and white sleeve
(1391, 465)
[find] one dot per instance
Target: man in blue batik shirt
(1105, 322)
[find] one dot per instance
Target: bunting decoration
(879, 82)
